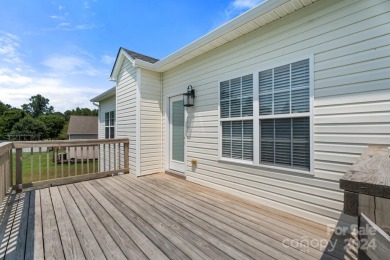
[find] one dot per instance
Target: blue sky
(65, 50)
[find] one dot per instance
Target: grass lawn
(31, 167)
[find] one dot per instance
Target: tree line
(37, 118)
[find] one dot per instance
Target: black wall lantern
(188, 97)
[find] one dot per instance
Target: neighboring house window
(284, 109)
(110, 124)
(236, 97)
(282, 118)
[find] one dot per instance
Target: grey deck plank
(172, 212)
(51, 236)
(31, 228)
(70, 242)
(155, 237)
(230, 244)
(273, 231)
(246, 234)
(17, 244)
(94, 240)
(288, 227)
(188, 242)
(38, 228)
(8, 215)
(132, 237)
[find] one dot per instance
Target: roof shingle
(140, 56)
(83, 125)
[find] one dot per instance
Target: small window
(236, 106)
(110, 125)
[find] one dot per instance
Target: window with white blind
(284, 115)
(278, 118)
(109, 124)
(236, 113)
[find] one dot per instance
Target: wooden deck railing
(367, 196)
(46, 163)
(5, 169)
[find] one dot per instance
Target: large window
(281, 119)
(110, 124)
(284, 107)
(236, 97)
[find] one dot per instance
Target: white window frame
(109, 124)
(256, 116)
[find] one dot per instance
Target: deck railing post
(126, 156)
(11, 170)
(19, 169)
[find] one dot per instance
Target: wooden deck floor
(154, 217)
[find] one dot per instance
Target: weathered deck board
(162, 207)
(271, 227)
(135, 237)
(173, 231)
(152, 217)
(70, 242)
(52, 241)
(88, 239)
(17, 246)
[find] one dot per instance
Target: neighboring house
(82, 127)
(287, 97)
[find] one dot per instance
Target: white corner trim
(138, 125)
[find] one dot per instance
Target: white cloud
(9, 44)
(67, 81)
(109, 60)
(70, 65)
(61, 95)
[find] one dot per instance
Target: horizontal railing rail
(5, 169)
(48, 163)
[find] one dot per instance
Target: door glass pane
(178, 131)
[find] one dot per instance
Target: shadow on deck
(155, 217)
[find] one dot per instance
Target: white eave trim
(109, 93)
(119, 63)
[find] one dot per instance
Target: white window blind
(236, 104)
(284, 107)
(236, 97)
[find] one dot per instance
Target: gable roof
(259, 16)
(109, 93)
(132, 56)
(139, 56)
(83, 125)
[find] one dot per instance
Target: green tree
(80, 112)
(4, 107)
(39, 105)
(54, 124)
(64, 132)
(29, 125)
(8, 119)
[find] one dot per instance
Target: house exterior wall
(150, 120)
(105, 106)
(126, 109)
(350, 45)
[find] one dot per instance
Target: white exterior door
(176, 134)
